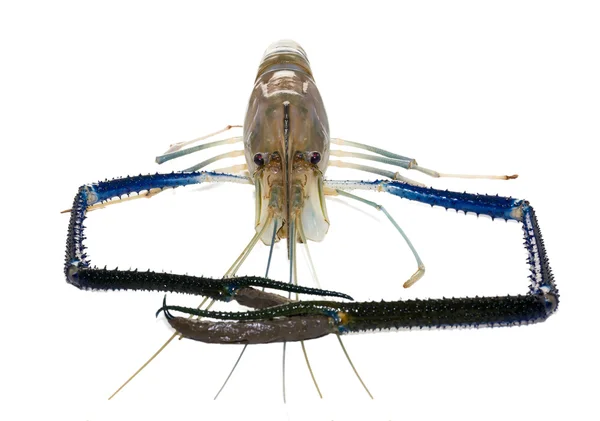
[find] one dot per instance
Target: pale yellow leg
(390, 158)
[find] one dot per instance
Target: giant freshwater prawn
(287, 149)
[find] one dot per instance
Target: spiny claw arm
(541, 301)
(542, 280)
(80, 273)
(218, 289)
(366, 316)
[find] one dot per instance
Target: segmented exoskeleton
(287, 150)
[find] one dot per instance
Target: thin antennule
(391, 158)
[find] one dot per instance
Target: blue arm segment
(105, 190)
(493, 206)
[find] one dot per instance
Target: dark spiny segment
(494, 206)
(542, 280)
(75, 249)
(79, 272)
(218, 289)
(441, 313)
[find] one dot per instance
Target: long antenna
(292, 257)
(301, 234)
(151, 358)
(352, 365)
(246, 345)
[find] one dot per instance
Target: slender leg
(215, 158)
(436, 174)
(374, 149)
(161, 159)
(177, 146)
(374, 170)
(420, 266)
(403, 162)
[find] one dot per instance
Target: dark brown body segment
(260, 332)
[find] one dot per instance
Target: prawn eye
(259, 159)
(315, 158)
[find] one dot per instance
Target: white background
(95, 91)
